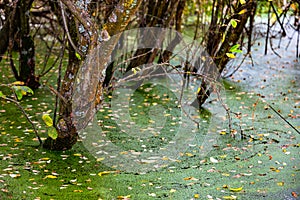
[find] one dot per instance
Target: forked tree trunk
(66, 126)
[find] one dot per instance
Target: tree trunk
(67, 126)
(232, 36)
(26, 47)
(17, 24)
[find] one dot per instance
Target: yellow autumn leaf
(18, 83)
(172, 190)
(230, 55)
(50, 176)
(196, 196)
(190, 178)
(223, 133)
(294, 6)
(77, 154)
(78, 191)
(47, 119)
(100, 159)
(280, 183)
(236, 189)
(105, 173)
(242, 11)
(189, 154)
(230, 197)
(45, 159)
(124, 197)
(242, 1)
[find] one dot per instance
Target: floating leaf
(80, 191)
(47, 119)
(50, 176)
(14, 175)
(230, 197)
(52, 132)
(213, 160)
(280, 183)
(294, 194)
(172, 190)
(236, 189)
(223, 133)
(190, 178)
(124, 197)
(105, 173)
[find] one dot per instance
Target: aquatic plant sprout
(173, 121)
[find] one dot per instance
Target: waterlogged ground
(262, 161)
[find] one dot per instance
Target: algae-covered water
(260, 161)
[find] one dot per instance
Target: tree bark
(67, 126)
(18, 24)
(232, 36)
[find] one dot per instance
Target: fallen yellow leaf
(50, 176)
(123, 197)
(236, 189)
(106, 172)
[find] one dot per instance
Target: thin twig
(67, 31)
(26, 115)
(59, 79)
(284, 119)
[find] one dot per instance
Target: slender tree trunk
(17, 24)
(231, 38)
(26, 47)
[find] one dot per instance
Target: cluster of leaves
(19, 90)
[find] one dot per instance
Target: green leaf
(1, 94)
(233, 23)
(78, 56)
(20, 91)
(234, 49)
(47, 119)
(52, 133)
